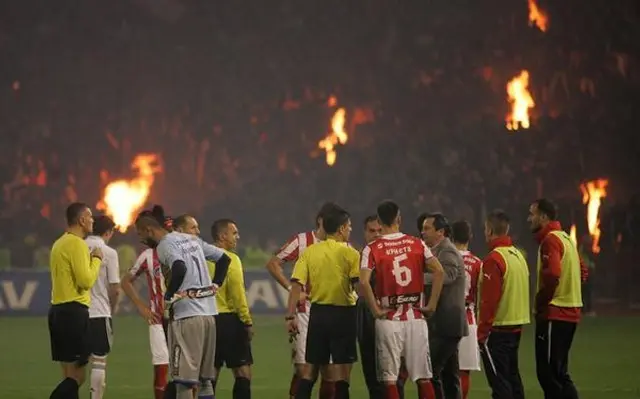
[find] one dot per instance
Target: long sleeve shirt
(551, 253)
(490, 295)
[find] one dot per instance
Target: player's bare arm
(274, 266)
(292, 304)
(114, 294)
(367, 292)
(433, 266)
(130, 291)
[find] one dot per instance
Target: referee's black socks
(342, 389)
(242, 388)
(304, 389)
(67, 389)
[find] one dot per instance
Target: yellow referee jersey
(328, 267)
(73, 270)
(232, 296)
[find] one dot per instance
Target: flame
(592, 194)
(520, 100)
(537, 16)
(573, 234)
(123, 198)
(337, 135)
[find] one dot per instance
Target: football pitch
(605, 361)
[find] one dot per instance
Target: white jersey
(109, 274)
(194, 253)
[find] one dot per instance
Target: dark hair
(370, 219)
(547, 207)
(325, 208)
(461, 232)
(181, 220)
(102, 224)
(498, 222)
(388, 212)
(219, 226)
(440, 222)
(154, 218)
(420, 221)
(333, 219)
(74, 211)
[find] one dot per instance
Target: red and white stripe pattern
(399, 274)
(406, 311)
(472, 266)
(149, 265)
(291, 251)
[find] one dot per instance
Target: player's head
(186, 224)
(326, 207)
(79, 217)
(104, 227)
(420, 222)
(496, 225)
(435, 228)
(372, 229)
(461, 232)
(337, 223)
(151, 226)
(541, 212)
(389, 214)
(225, 233)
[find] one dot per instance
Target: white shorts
(408, 340)
(468, 350)
(300, 341)
(158, 344)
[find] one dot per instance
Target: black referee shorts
(100, 335)
(332, 335)
(233, 346)
(69, 333)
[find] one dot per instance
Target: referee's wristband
(289, 318)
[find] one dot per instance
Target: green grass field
(605, 361)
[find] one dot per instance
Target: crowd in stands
(235, 100)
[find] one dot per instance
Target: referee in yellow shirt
(330, 270)
(73, 272)
(234, 327)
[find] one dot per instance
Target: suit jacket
(450, 319)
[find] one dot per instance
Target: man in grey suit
(448, 324)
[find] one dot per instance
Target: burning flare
(337, 135)
(592, 194)
(537, 16)
(520, 100)
(573, 234)
(124, 198)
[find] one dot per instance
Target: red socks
(391, 391)
(160, 377)
(293, 387)
(425, 390)
(327, 390)
(465, 381)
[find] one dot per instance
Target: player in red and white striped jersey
(468, 351)
(400, 262)
(289, 253)
(147, 265)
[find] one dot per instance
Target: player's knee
(242, 372)
(98, 360)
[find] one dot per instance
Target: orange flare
(124, 198)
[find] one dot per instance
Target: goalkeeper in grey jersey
(190, 297)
